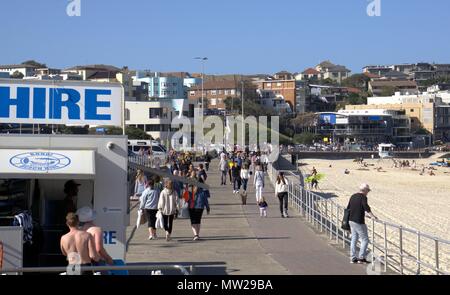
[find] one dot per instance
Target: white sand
(400, 196)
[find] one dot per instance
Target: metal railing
(400, 249)
(20, 270)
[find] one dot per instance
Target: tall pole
(203, 60)
(203, 80)
(242, 105)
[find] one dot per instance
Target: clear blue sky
(238, 36)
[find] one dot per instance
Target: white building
(268, 99)
(155, 117)
(25, 69)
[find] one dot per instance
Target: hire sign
(61, 102)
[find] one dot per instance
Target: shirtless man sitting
(87, 216)
(78, 242)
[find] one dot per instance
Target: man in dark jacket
(358, 206)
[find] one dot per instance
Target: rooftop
(393, 83)
(310, 71)
(216, 84)
(18, 66)
(100, 67)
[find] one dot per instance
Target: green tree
(357, 81)
(74, 129)
(303, 122)
(136, 133)
(387, 91)
(34, 63)
(132, 132)
(431, 82)
(17, 75)
(304, 138)
(328, 81)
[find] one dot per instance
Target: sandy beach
(399, 195)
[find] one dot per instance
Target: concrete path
(235, 240)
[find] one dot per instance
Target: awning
(45, 163)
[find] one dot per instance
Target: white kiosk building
(35, 168)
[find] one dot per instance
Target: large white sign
(60, 102)
(54, 162)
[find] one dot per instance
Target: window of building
(213, 101)
(233, 92)
(412, 110)
(219, 91)
(155, 113)
(152, 127)
(213, 92)
(164, 92)
(279, 84)
(192, 93)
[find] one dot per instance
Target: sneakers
(168, 238)
(152, 237)
(196, 238)
(286, 215)
(282, 215)
(354, 261)
(364, 261)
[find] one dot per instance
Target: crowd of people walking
(165, 199)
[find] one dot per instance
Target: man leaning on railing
(357, 206)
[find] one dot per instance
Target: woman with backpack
(198, 201)
(281, 191)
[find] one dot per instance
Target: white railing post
(436, 253)
(401, 248)
(385, 248)
(373, 242)
(321, 216)
(331, 220)
(337, 224)
(418, 253)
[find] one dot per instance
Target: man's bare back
(97, 234)
(79, 242)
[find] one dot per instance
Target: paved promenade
(235, 240)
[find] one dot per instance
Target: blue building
(370, 126)
(159, 87)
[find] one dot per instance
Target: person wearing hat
(71, 191)
(87, 216)
(357, 206)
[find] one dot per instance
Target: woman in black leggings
(281, 190)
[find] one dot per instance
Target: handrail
(324, 213)
(181, 268)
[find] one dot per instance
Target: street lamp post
(202, 59)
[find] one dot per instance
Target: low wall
(354, 155)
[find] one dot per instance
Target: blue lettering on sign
(109, 237)
(58, 98)
(40, 161)
(22, 102)
(56, 103)
(92, 104)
